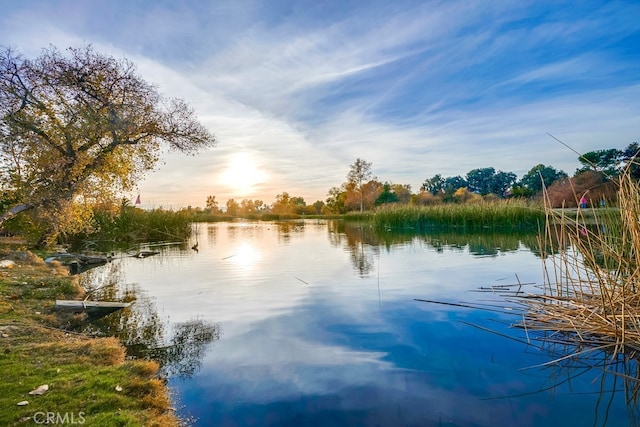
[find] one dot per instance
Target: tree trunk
(15, 211)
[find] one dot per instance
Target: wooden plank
(90, 305)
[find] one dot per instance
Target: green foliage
(538, 175)
(82, 373)
(480, 180)
(387, 195)
(612, 161)
(81, 127)
(499, 215)
(487, 181)
(452, 183)
(630, 159)
(357, 216)
(132, 224)
(605, 161)
(520, 191)
(479, 242)
(335, 203)
(433, 185)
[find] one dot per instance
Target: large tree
(486, 181)
(540, 175)
(82, 124)
(606, 161)
(630, 157)
(481, 180)
(387, 195)
(502, 182)
(212, 205)
(359, 174)
(452, 183)
(433, 185)
(335, 202)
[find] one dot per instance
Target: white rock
(40, 390)
(118, 388)
(7, 263)
(23, 403)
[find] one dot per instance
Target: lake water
(315, 323)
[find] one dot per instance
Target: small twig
(458, 305)
(524, 324)
(569, 356)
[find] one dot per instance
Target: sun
(242, 174)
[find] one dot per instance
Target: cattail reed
(502, 215)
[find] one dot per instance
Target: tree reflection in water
(288, 229)
(182, 357)
(142, 331)
(364, 242)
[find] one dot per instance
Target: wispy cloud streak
(418, 88)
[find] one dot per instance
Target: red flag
(138, 200)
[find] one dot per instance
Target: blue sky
(295, 91)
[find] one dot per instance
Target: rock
(118, 388)
(23, 403)
(7, 263)
(40, 390)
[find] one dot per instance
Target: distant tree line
(595, 178)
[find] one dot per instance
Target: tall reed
(592, 290)
(508, 214)
(131, 224)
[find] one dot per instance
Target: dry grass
(591, 296)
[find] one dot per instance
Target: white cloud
(417, 90)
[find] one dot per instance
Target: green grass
(82, 376)
(356, 216)
(502, 215)
(82, 372)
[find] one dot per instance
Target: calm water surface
(314, 323)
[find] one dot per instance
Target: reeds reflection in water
(586, 316)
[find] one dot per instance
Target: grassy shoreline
(89, 379)
(495, 215)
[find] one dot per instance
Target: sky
(295, 90)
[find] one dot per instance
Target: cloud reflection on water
(309, 340)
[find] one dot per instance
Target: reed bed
(136, 225)
(591, 295)
(503, 215)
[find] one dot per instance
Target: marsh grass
(591, 296)
(137, 225)
(502, 215)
